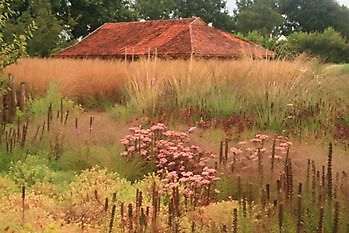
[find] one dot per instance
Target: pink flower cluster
(178, 162)
(260, 138)
(245, 151)
(141, 141)
(187, 165)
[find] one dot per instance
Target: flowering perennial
(177, 161)
(244, 151)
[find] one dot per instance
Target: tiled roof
(165, 38)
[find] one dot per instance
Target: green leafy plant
(31, 170)
(39, 106)
(329, 45)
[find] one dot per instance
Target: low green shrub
(30, 170)
(35, 169)
(39, 106)
(329, 45)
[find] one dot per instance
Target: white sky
(231, 3)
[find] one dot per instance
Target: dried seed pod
(235, 220)
(112, 219)
(280, 217)
(299, 213)
(273, 156)
(221, 153)
(23, 201)
(106, 204)
(329, 172)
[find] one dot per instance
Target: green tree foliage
(330, 46)
(257, 15)
(155, 9)
(11, 50)
(47, 37)
(90, 14)
(211, 11)
(281, 47)
(314, 15)
(258, 38)
(48, 34)
(61, 10)
(242, 5)
(342, 18)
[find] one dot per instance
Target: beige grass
(75, 78)
(101, 78)
(269, 91)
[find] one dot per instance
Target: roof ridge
(191, 38)
(156, 20)
(196, 19)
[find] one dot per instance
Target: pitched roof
(165, 38)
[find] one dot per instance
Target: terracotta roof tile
(167, 38)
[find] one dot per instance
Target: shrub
(87, 194)
(30, 171)
(7, 186)
(96, 178)
(329, 45)
(280, 47)
(40, 106)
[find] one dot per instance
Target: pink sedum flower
(235, 151)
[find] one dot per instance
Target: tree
(342, 19)
(11, 50)
(47, 36)
(314, 15)
(329, 45)
(257, 15)
(211, 11)
(90, 14)
(155, 9)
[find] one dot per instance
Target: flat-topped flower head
(235, 151)
(124, 141)
(262, 137)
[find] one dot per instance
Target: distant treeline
(309, 25)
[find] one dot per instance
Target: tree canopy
(87, 15)
(315, 15)
(11, 49)
(259, 15)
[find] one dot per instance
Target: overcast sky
(231, 3)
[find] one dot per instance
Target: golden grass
(267, 90)
(101, 78)
(75, 78)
